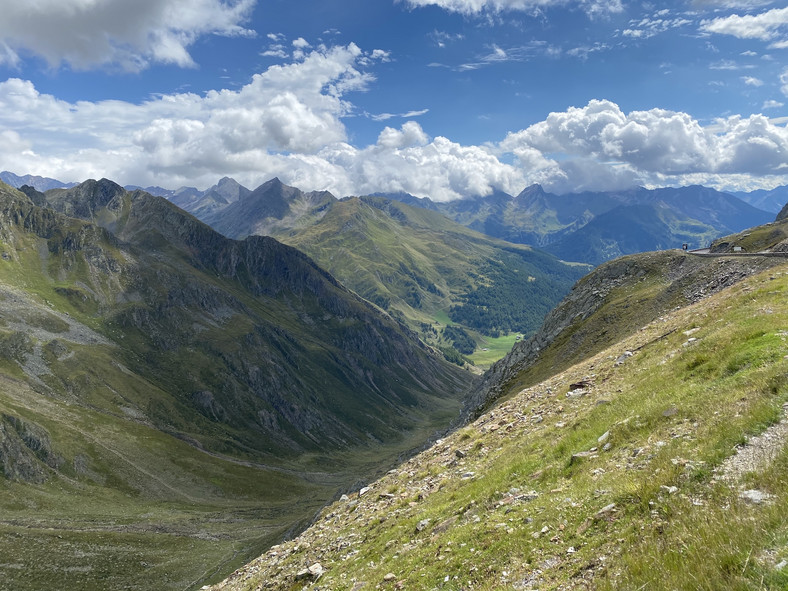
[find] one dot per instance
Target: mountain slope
(270, 207)
(417, 263)
(665, 218)
(772, 200)
(173, 400)
(38, 182)
(613, 468)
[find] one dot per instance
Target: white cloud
(766, 26)
(131, 35)
(648, 27)
(475, 7)
(784, 82)
(288, 122)
(410, 135)
(288, 108)
(772, 104)
(646, 144)
(752, 81)
(407, 160)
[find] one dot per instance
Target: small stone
(670, 411)
(313, 572)
(624, 357)
(467, 475)
(754, 496)
(459, 453)
(606, 510)
(571, 550)
(669, 489)
(421, 525)
(364, 491)
(389, 577)
(603, 438)
(344, 498)
(781, 565)
(607, 446)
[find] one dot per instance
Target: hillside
(771, 200)
(417, 265)
(174, 401)
(595, 227)
(636, 442)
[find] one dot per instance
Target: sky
(438, 98)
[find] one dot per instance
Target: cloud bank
(771, 25)
(131, 35)
(288, 122)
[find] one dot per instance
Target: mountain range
(589, 227)
(595, 227)
(174, 400)
(416, 264)
(583, 227)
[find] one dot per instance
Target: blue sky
(440, 98)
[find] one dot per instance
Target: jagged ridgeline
(173, 401)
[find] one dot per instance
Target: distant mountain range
(589, 227)
(595, 227)
(39, 183)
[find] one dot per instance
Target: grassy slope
(515, 510)
(417, 264)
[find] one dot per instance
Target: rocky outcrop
(26, 451)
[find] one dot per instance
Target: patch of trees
(515, 295)
(452, 355)
(460, 339)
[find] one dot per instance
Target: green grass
(496, 349)
(673, 412)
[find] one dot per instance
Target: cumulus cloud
(288, 122)
(295, 107)
(658, 142)
(766, 26)
(131, 35)
(475, 7)
(407, 160)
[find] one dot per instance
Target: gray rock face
(25, 451)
